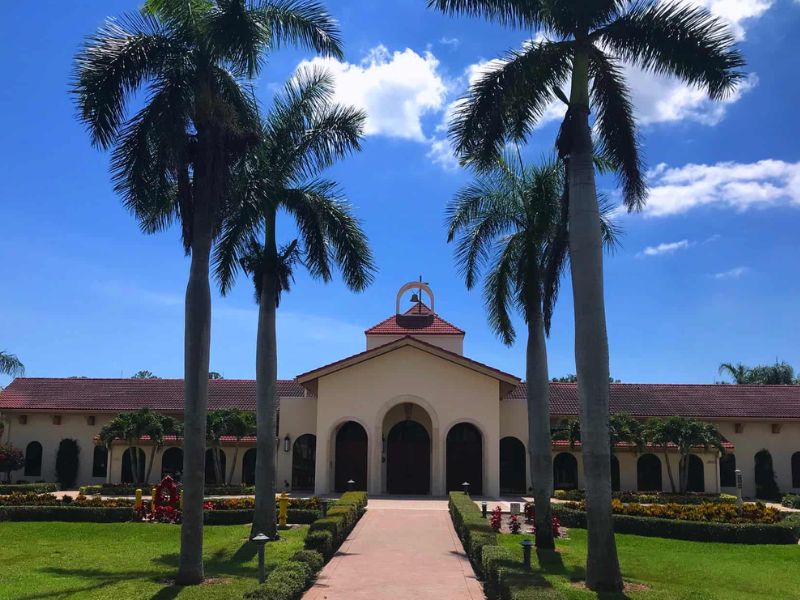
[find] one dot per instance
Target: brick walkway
(403, 550)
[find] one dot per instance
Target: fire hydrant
(137, 504)
(283, 510)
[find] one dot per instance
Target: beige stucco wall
(298, 416)
(366, 392)
(453, 343)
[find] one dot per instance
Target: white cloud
(442, 154)
(735, 12)
(452, 42)
(734, 273)
(666, 248)
(396, 89)
(128, 292)
(741, 186)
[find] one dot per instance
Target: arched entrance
(727, 470)
(648, 473)
(565, 472)
(304, 454)
(249, 467)
(351, 457)
(211, 471)
(127, 467)
(615, 482)
(408, 459)
(696, 479)
(512, 466)
(766, 486)
(172, 463)
(465, 458)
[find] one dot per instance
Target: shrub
(312, 558)
(67, 459)
(785, 532)
(652, 497)
(321, 541)
(791, 501)
(719, 513)
(11, 459)
(287, 581)
(28, 488)
(326, 534)
(474, 531)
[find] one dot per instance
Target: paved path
(407, 553)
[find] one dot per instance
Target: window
(33, 459)
(648, 473)
(99, 461)
(565, 472)
(727, 470)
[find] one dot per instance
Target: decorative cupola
(419, 320)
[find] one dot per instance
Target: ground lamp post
(739, 488)
(484, 508)
(465, 485)
(526, 553)
(351, 485)
(260, 540)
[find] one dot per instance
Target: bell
(414, 298)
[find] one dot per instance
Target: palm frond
(501, 286)
(117, 59)
(515, 13)
(303, 22)
(237, 36)
(675, 38)
(507, 101)
(11, 365)
(616, 128)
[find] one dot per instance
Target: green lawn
(676, 570)
(123, 561)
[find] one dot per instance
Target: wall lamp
(287, 443)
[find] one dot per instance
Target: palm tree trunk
(134, 463)
(197, 342)
(150, 464)
(669, 470)
(539, 441)
(235, 458)
(591, 341)
(218, 478)
(264, 519)
(683, 466)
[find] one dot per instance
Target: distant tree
(622, 428)
(11, 459)
(780, 373)
(214, 375)
(144, 375)
(130, 427)
(67, 462)
(685, 434)
(570, 378)
(11, 365)
(239, 424)
(216, 423)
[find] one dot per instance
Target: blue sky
(708, 273)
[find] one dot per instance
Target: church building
(411, 414)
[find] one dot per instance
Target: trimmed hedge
(128, 489)
(652, 497)
(289, 580)
(474, 531)
(28, 488)
(295, 516)
(66, 513)
(785, 532)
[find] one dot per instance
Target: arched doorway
(565, 472)
(408, 459)
(615, 484)
(99, 461)
(33, 459)
(766, 486)
(351, 457)
(648, 473)
(727, 470)
(211, 473)
(512, 466)
(796, 470)
(127, 468)
(304, 454)
(696, 479)
(465, 458)
(172, 463)
(249, 467)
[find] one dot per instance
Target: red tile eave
(729, 447)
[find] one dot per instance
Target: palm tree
(304, 133)
(587, 42)
(171, 160)
(685, 434)
(512, 220)
(144, 375)
(10, 365)
(216, 427)
(739, 372)
(238, 424)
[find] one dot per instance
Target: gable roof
(419, 320)
(507, 380)
(114, 395)
(704, 401)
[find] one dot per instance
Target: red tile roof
(690, 400)
(129, 394)
(729, 447)
(419, 319)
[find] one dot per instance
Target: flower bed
(128, 489)
(28, 488)
(652, 497)
(714, 512)
(787, 531)
(51, 500)
(791, 501)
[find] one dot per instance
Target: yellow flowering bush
(710, 512)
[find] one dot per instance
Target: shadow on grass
(218, 565)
